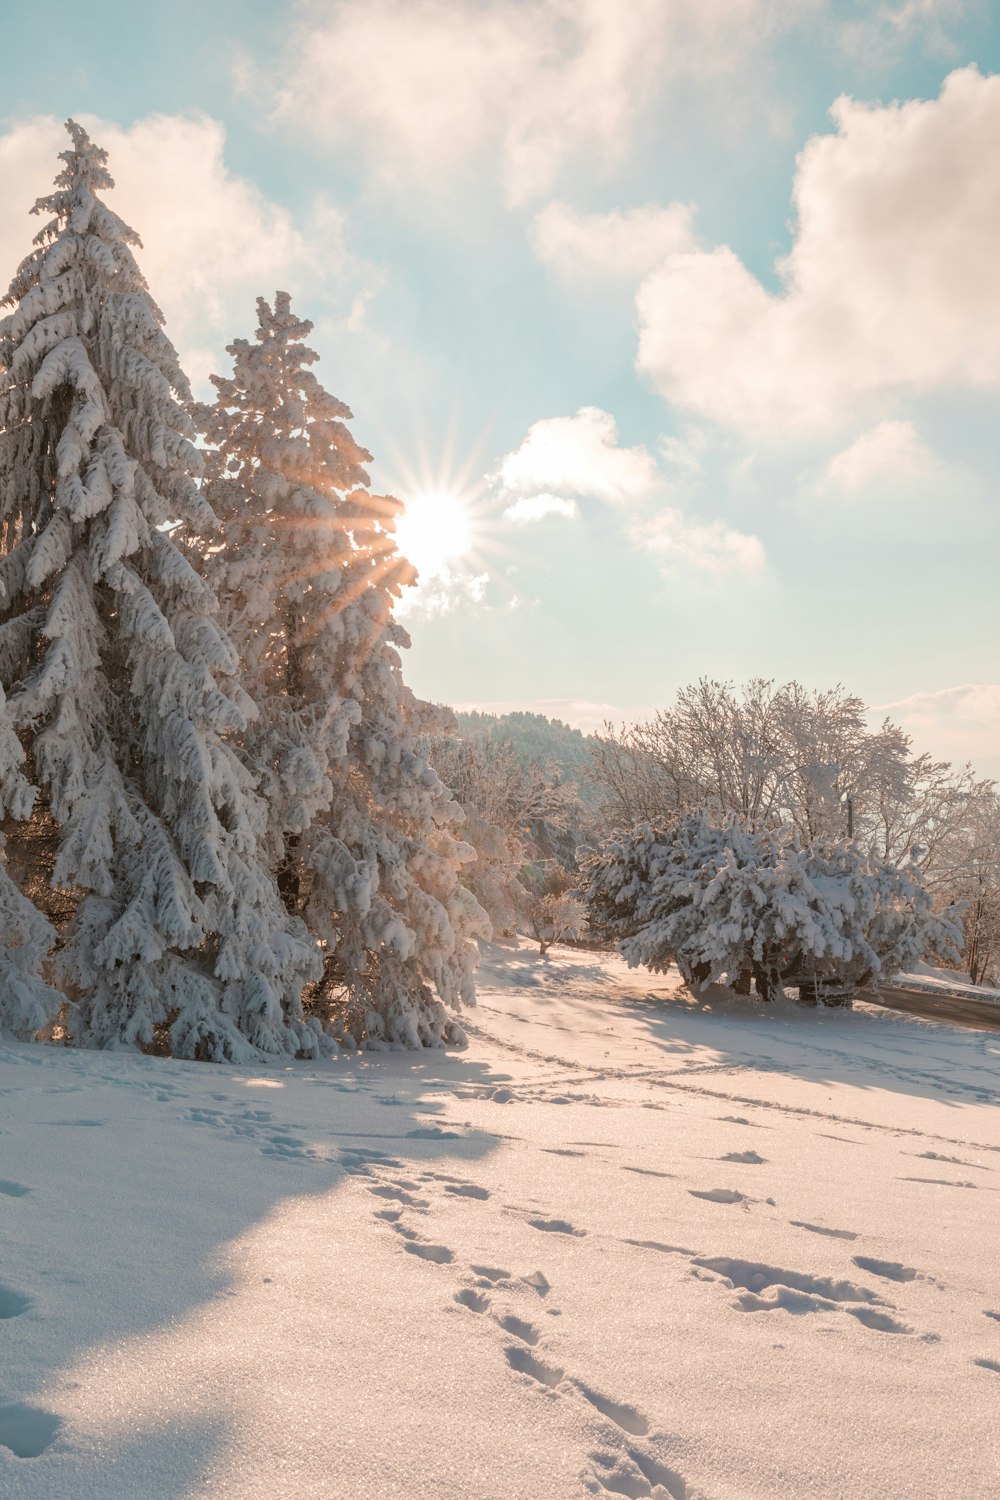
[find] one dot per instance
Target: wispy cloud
(887, 456)
(879, 37)
(955, 723)
(423, 87)
(681, 544)
(622, 245)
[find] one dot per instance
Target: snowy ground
(945, 981)
(624, 1244)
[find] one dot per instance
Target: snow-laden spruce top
(360, 825)
(119, 681)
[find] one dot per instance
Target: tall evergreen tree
(120, 685)
(362, 829)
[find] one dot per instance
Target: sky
(676, 323)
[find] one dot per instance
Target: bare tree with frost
(362, 830)
(120, 685)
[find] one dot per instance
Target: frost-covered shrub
(725, 903)
(550, 906)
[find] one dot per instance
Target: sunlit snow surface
(625, 1245)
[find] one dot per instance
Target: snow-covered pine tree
(120, 684)
(362, 829)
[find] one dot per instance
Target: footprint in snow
(525, 1363)
(466, 1190)
(13, 1189)
(718, 1195)
(522, 1330)
(473, 1300)
(892, 1270)
(881, 1322)
(12, 1304)
(399, 1194)
(490, 1273)
(994, 1315)
(637, 1475)
(988, 1364)
(27, 1430)
(621, 1413)
(555, 1226)
(657, 1245)
(748, 1158)
(439, 1254)
(648, 1172)
(836, 1234)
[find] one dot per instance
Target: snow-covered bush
(363, 832)
(725, 903)
(120, 699)
(550, 905)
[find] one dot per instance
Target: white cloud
(890, 285)
(422, 86)
(890, 454)
(956, 723)
(679, 543)
(580, 456)
(625, 245)
(212, 241)
(532, 508)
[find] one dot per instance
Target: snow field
(623, 1245)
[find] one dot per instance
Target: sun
(434, 529)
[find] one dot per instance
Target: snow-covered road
(626, 1244)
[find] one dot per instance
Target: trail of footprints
(620, 1466)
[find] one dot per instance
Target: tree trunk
(742, 984)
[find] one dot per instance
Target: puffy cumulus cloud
(211, 240)
(890, 285)
(889, 455)
(954, 723)
(679, 543)
(532, 508)
(422, 86)
(623, 246)
(579, 456)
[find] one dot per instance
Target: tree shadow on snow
(132, 1189)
